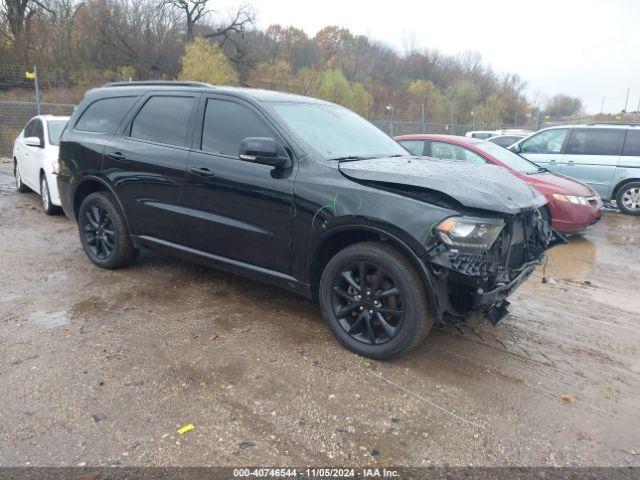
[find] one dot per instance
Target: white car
(35, 159)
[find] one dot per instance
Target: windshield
(336, 132)
(507, 157)
(55, 130)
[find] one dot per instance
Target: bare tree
(195, 11)
(17, 14)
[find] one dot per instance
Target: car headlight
(571, 199)
(469, 233)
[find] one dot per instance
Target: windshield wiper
(349, 158)
(353, 158)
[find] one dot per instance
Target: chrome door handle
(570, 162)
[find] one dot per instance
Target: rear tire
(374, 301)
(20, 186)
(628, 198)
(47, 206)
(103, 232)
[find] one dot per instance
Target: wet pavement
(103, 367)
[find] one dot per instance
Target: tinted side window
(414, 146)
(28, 130)
(226, 124)
(103, 116)
(38, 131)
(454, 152)
(164, 120)
(589, 141)
(549, 141)
(632, 143)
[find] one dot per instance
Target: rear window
(163, 119)
(55, 130)
(103, 116)
(632, 143)
(589, 141)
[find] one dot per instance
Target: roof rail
(622, 124)
(151, 83)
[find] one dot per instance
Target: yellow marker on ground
(185, 429)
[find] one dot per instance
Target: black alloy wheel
(367, 303)
(103, 232)
(374, 300)
(98, 231)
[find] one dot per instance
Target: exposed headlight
(571, 199)
(469, 233)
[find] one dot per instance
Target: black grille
(518, 242)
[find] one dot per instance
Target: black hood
(488, 187)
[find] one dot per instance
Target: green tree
(334, 87)
(461, 99)
(272, 75)
(425, 92)
(361, 100)
(204, 62)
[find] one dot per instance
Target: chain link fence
(14, 115)
(395, 127)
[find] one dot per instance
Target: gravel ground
(103, 367)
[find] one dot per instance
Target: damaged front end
(478, 262)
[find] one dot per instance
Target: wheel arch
(341, 237)
(621, 184)
(92, 184)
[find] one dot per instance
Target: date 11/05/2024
(315, 473)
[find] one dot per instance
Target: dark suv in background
(303, 194)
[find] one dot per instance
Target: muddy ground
(165, 343)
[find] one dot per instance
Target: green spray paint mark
(328, 206)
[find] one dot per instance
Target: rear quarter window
(104, 115)
(632, 144)
(588, 141)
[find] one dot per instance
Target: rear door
(239, 210)
(546, 148)
(146, 164)
(33, 156)
(592, 156)
(23, 153)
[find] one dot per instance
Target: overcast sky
(587, 48)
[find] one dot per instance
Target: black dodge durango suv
(302, 194)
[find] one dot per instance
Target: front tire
(628, 198)
(20, 186)
(374, 301)
(103, 232)
(45, 195)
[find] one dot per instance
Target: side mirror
(262, 150)
(33, 142)
(515, 148)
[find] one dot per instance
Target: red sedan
(573, 206)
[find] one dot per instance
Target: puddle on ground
(48, 319)
(8, 297)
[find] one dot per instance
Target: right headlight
(470, 233)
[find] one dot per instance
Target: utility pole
(35, 74)
(602, 105)
(626, 101)
(424, 128)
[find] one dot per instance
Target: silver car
(607, 157)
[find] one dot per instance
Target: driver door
(237, 209)
(546, 148)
